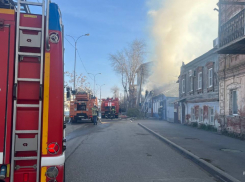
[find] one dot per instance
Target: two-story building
(232, 65)
(199, 90)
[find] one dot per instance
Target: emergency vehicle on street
(110, 108)
(32, 139)
(81, 106)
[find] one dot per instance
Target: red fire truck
(110, 108)
(32, 143)
(81, 107)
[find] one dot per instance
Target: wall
(232, 77)
(206, 114)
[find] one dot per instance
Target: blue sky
(112, 24)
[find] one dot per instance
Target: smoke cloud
(182, 30)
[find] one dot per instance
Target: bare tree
(115, 91)
(81, 82)
(126, 62)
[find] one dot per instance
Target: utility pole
(100, 90)
(94, 79)
(75, 40)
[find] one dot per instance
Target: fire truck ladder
(18, 56)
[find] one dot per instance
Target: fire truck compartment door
(4, 51)
(25, 144)
(30, 40)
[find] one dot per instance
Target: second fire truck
(110, 108)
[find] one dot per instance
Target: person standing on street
(94, 113)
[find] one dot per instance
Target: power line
(83, 65)
(79, 58)
(69, 42)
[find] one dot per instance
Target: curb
(217, 173)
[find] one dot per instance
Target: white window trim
(210, 84)
(212, 122)
(183, 86)
(199, 85)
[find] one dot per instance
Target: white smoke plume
(182, 30)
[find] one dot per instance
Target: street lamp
(75, 40)
(100, 90)
(94, 79)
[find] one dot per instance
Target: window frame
(199, 80)
(232, 100)
(192, 114)
(183, 86)
(210, 77)
(201, 114)
(211, 116)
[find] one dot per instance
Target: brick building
(232, 67)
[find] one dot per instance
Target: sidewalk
(225, 153)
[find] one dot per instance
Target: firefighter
(113, 112)
(95, 114)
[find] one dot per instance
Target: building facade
(232, 68)
(199, 90)
(159, 103)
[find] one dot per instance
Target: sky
(173, 31)
(112, 24)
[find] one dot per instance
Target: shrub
(211, 128)
(203, 126)
(133, 112)
(194, 124)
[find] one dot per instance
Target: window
(210, 77)
(191, 83)
(234, 102)
(192, 114)
(200, 80)
(201, 114)
(211, 115)
(183, 86)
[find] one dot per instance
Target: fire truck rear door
(4, 68)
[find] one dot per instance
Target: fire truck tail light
(26, 177)
(52, 173)
(53, 148)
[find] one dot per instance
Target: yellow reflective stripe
(8, 170)
(30, 16)
(46, 104)
(43, 174)
(7, 11)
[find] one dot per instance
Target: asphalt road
(122, 151)
(225, 153)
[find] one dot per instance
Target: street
(120, 150)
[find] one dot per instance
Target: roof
(147, 64)
(169, 90)
(207, 54)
